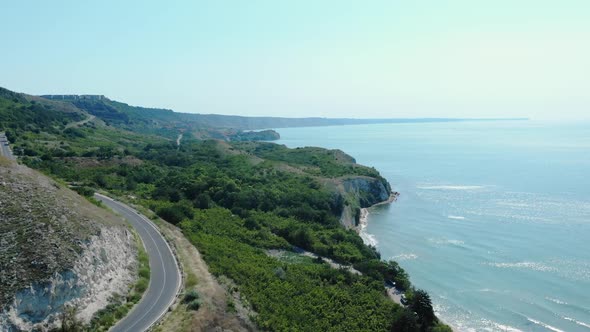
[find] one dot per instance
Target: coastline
(370, 240)
(364, 217)
(367, 238)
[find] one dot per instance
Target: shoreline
(369, 240)
(364, 217)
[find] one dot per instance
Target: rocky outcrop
(105, 267)
(56, 249)
(361, 192)
(369, 191)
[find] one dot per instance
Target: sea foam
(547, 326)
(577, 322)
(404, 257)
(456, 217)
(450, 187)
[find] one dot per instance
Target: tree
(442, 328)
(422, 305)
(405, 321)
(69, 322)
(170, 214)
(105, 152)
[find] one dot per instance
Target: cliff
(360, 192)
(352, 185)
(56, 250)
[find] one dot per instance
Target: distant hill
(169, 123)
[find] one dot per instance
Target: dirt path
(394, 294)
(81, 123)
(330, 262)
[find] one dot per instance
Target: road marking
(130, 213)
(161, 290)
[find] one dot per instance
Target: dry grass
(5, 162)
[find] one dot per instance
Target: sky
(362, 59)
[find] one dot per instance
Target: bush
(194, 305)
(190, 296)
(84, 191)
(141, 285)
(441, 328)
(144, 272)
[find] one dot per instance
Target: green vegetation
(300, 296)
(263, 135)
(234, 202)
(19, 115)
(315, 161)
(192, 300)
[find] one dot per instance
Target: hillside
(56, 250)
(238, 203)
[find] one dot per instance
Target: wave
(456, 217)
(404, 257)
(573, 269)
(506, 328)
(547, 326)
(450, 187)
(525, 265)
(577, 322)
(446, 241)
(558, 301)
(368, 239)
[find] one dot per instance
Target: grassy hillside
(18, 114)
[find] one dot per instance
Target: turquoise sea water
(493, 218)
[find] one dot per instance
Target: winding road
(4, 148)
(165, 276)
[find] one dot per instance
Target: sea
(493, 218)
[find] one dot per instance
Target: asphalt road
(5, 149)
(165, 274)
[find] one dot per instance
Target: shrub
(144, 272)
(141, 285)
(190, 296)
(194, 305)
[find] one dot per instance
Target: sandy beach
(364, 217)
(370, 239)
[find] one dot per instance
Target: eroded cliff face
(361, 192)
(105, 266)
(56, 249)
(369, 191)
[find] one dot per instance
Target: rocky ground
(56, 249)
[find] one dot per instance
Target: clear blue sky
(463, 58)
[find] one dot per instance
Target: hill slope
(56, 249)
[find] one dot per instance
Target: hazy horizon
(383, 59)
